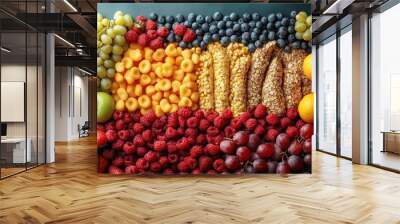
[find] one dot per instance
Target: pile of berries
(199, 142)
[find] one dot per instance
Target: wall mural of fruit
(211, 93)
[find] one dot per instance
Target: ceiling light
(70, 5)
(84, 71)
(5, 49)
(64, 40)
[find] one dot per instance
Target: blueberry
(292, 22)
(262, 38)
(182, 44)
(234, 38)
(221, 25)
(203, 45)
(271, 35)
(272, 18)
(252, 24)
(234, 16)
(277, 24)
(153, 16)
(264, 20)
(304, 45)
(287, 49)
(293, 14)
(291, 38)
(196, 43)
(255, 16)
(246, 36)
(285, 21)
(251, 47)
(200, 19)
(245, 42)
(281, 43)
(207, 38)
(178, 38)
(258, 43)
(199, 32)
(240, 21)
(221, 32)
(226, 18)
(215, 37)
(208, 19)
(217, 16)
(171, 37)
(270, 26)
(265, 32)
(224, 41)
(195, 25)
(161, 20)
(180, 18)
(253, 36)
(236, 27)
(187, 23)
(246, 17)
(279, 16)
(189, 45)
(213, 29)
(309, 44)
(229, 32)
(296, 44)
(282, 34)
(191, 17)
(205, 27)
(229, 24)
(257, 30)
(199, 38)
(259, 24)
(170, 19)
(291, 29)
(283, 29)
(244, 27)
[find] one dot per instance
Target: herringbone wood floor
(70, 191)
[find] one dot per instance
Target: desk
(17, 147)
(391, 141)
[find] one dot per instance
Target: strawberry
(260, 111)
(162, 31)
(272, 119)
(179, 29)
(189, 36)
(292, 113)
(140, 19)
(131, 36)
(150, 25)
(251, 124)
(156, 43)
(143, 40)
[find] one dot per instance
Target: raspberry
(162, 31)
(115, 170)
(118, 115)
(160, 146)
(216, 140)
(292, 131)
(183, 167)
(142, 164)
(136, 116)
(251, 124)
(211, 115)
(110, 126)
(196, 151)
(131, 36)
(229, 132)
(155, 167)
(285, 122)
(151, 116)
(138, 128)
(211, 172)
(137, 30)
(212, 149)
(260, 130)
(108, 154)
(182, 144)
(118, 144)
(205, 163)
(140, 19)
(227, 114)
(152, 34)
(168, 171)
(201, 139)
(219, 122)
(203, 125)
(138, 140)
(171, 147)
(262, 122)
(196, 172)
(163, 120)
(102, 165)
(128, 148)
(118, 161)
(260, 111)
(191, 140)
(147, 136)
(192, 122)
(119, 124)
(199, 114)
(179, 29)
(185, 112)
(156, 43)
(151, 25)
(172, 158)
(173, 120)
(151, 156)
(158, 124)
(272, 119)
(170, 133)
(271, 135)
(189, 36)
(191, 132)
(300, 124)
(292, 113)
(182, 122)
(191, 162)
(143, 40)
(141, 151)
(131, 169)
(236, 123)
(212, 131)
(219, 165)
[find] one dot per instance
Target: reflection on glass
(327, 95)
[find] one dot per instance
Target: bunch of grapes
(303, 26)
(110, 46)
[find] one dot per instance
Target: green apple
(105, 107)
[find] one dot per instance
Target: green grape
(99, 61)
(98, 83)
(309, 21)
(103, 55)
(99, 17)
(105, 22)
(302, 13)
(116, 58)
(110, 32)
(101, 72)
(99, 44)
(106, 49)
(110, 73)
(307, 36)
(128, 21)
(119, 39)
(118, 29)
(120, 21)
(99, 26)
(105, 83)
(106, 39)
(300, 27)
(109, 63)
(299, 35)
(300, 18)
(118, 14)
(118, 50)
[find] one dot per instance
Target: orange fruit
(307, 67)
(306, 108)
